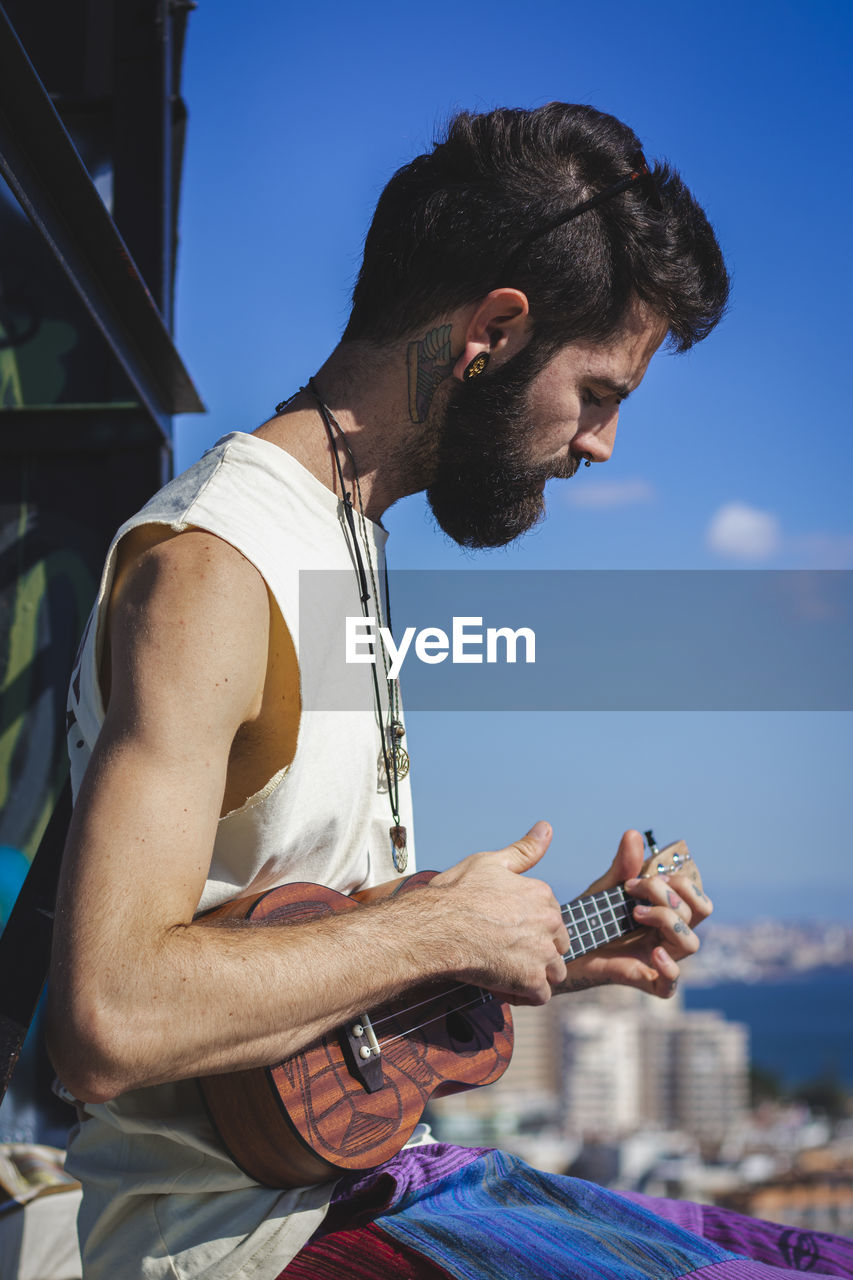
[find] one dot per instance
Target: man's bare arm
(141, 994)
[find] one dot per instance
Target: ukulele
(351, 1099)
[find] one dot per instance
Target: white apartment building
(606, 1063)
(601, 1085)
(710, 1074)
(632, 1062)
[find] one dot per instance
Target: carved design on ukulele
(422, 1038)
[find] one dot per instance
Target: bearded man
(517, 281)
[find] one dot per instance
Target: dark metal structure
(91, 142)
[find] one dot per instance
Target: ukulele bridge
(362, 1052)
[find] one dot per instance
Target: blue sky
(737, 455)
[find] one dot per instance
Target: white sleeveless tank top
(161, 1197)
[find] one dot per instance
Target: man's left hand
(670, 906)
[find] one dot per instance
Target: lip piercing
(587, 463)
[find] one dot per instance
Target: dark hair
(446, 223)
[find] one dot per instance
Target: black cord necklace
(394, 758)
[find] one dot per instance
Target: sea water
(801, 1027)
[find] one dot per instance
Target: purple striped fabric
(816, 1252)
(746, 1269)
(439, 1212)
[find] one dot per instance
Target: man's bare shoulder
(155, 553)
(188, 612)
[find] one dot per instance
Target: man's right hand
(509, 928)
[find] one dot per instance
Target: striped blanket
(437, 1212)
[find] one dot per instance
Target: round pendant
(401, 760)
(397, 756)
(396, 734)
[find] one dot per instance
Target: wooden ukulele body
(318, 1114)
(352, 1098)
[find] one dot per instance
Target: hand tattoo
(584, 984)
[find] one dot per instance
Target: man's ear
(498, 323)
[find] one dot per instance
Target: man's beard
(484, 491)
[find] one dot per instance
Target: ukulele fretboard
(597, 919)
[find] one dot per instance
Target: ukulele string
(455, 1009)
(439, 995)
(584, 927)
(619, 918)
(580, 905)
(567, 913)
(484, 997)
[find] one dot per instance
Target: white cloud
(743, 533)
(612, 493)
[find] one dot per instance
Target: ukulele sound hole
(459, 1028)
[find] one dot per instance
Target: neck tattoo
(428, 362)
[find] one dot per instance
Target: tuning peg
(650, 841)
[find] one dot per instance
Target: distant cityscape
(767, 949)
(643, 1094)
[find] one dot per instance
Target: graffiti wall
(46, 590)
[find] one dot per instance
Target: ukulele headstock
(671, 859)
